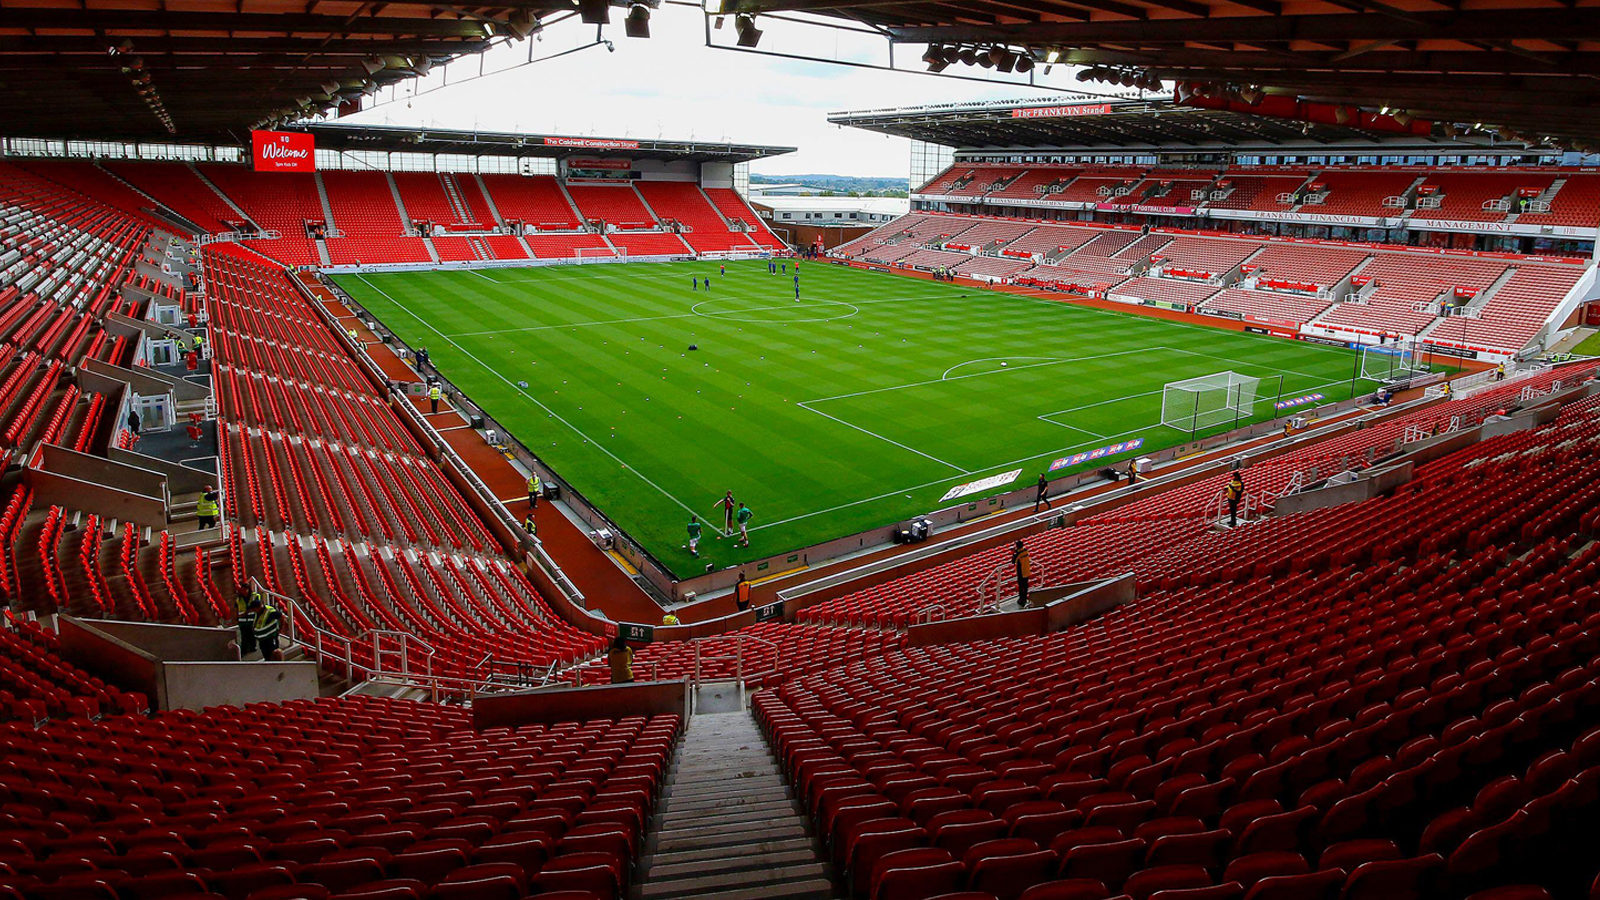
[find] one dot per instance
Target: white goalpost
(1391, 362)
(588, 255)
(1195, 404)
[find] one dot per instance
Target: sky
(671, 85)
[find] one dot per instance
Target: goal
(1391, 362)
(1195, 404)
(586, 255)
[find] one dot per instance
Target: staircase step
(723, 804)
(728, 826)
(741, 788)
(712, 832)
(724, 768)
(753, 812)
(714, 883)
(726, 861)
(719, 854)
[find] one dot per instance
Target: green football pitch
(859, 405)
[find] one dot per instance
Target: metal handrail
(577, 679)
(326, 646)
(998, 574)
(737, 657)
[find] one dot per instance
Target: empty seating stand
(705, 228)
(618, 205)
(365, 211)
(1397, 708)
(536, 200)
(342, 509)
(1278, 281)
(350, 798)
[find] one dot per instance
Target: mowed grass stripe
(594, 342)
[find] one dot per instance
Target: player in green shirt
(694, 536)
(744, 515)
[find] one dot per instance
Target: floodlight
(522, 23)
(745, 27)
(637, 25)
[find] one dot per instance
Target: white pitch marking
(1047, 359)
(913, 384)
(880, 437)
(553, 414)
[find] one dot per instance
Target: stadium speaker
(637, 25)
(1001, 59)
(745, 27)
(968, 56)
(934, 57)
(594, 12)
(1024, 63)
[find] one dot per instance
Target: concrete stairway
(728, 827)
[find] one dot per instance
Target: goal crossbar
(1195, 404)
(599, 254)
(1394, 361)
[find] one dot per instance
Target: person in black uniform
(1042, 497)
(1235, 493)
(266, 623)
(247, 631)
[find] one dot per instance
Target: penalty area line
(802, 405)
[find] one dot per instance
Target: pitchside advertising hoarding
(284, 151)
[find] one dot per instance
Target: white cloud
(673, 86)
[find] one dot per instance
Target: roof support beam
(1581, 23)
(117, 20)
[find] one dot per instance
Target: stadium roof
(411, 139)
(205, 69)
(1151, 124)
(1528, 66)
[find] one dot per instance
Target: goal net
(1391, 362)
(1194, 404)
(600, 254)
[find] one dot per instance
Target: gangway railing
(738, 658)
(377, 656)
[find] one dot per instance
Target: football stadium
(1182, 483)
